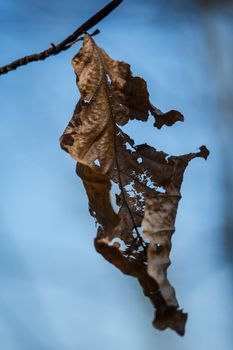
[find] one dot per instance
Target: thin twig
(65, 44)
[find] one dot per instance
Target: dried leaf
(168, 118)
(149, 181)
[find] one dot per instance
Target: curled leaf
(168, 118)
(136, 238)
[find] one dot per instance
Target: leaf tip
(204, 152)
(171, 318)
(168, 118)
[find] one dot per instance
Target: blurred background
(56, 292)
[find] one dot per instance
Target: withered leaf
(136, 239)
(168, 118)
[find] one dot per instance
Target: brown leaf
(165, 316)
(168, 118)
(149, 181)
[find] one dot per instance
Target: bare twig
(65, 44)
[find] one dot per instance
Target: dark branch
(65, 44)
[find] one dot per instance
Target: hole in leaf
(160, 189)
(118, 243)
(129, 147)
(97, 162)
(130, 189)
(115, 191)
(109, 80)
(86, 101)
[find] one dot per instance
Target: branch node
(53, 46)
